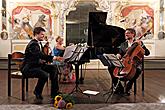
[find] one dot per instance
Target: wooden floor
(97, 80)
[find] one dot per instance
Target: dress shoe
(119, 90)
(38, 96)
(127, 93)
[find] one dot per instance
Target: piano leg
(81, 77)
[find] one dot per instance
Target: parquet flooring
(97, 80)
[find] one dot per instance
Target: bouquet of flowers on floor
(64, 101)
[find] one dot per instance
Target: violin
(130, 60)
(46, 49)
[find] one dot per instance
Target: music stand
(73, 55)
(111, 60)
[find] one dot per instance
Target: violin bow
(144, 34)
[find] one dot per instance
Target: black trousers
(129, 83)
(42, 73)
(114, 79)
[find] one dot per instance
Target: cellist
(130, 39)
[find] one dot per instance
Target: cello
(130, 60)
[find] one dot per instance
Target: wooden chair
(122, 79)
(14, 63)
(142, 76)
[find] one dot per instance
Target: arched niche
(73, 7)
(77, 22)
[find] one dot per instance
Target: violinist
(34, 65)
(130, 39)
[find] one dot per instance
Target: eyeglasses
(128, 33)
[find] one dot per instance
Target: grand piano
(103, 38)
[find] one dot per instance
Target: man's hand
(118, 56)
(57, 58)
(42, 61)
(60, 58)
(139, 42)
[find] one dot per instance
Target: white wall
(5, 48)
(160, 48)
(150, 44)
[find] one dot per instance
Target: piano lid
(102, 35)
(104, 38)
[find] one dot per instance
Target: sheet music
(90, 92)
(74, 53)
(69, 51)
(79, 51)
(113, 59)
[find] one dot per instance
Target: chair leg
(143, 81)
(9, 86)
(135, 87)
(23, 89)
(9, 74)
(125, 86)
(27, 85)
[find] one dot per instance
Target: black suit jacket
(33, 56)
(124, 46)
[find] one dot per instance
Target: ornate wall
(143, 16)
(124, 13)
(119, 12)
